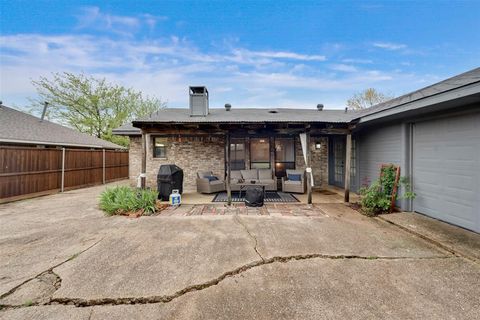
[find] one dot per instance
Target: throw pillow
(295, 177)
(211, 178)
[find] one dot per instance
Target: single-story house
(433, 134)
(38, 157)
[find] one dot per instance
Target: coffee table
(245, 185)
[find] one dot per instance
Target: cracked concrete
(238, 220)
(337, 264)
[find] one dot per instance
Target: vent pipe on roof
(44, 110)
(319, 107)
(228, 106)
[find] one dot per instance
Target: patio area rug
(270, 196)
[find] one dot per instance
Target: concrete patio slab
(464, 242)
(339, 231)
(37, 234)
(156, 257)
(314, 289)
(326, 261)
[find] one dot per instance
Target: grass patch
(28, 303)
(123, 200)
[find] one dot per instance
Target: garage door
(446, 169)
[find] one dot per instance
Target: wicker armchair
(294, 186)
(206, 186)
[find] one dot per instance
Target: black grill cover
(169, 177)
(254, 197)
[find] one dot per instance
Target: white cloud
(343, 67)
(359, 61)
(389, 45)
(165, 68)
(93, 18)
(287, 55)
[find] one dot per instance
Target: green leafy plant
(122, 199)
(377, 197)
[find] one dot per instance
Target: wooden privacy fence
(26, 171)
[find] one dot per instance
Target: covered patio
(247, 146)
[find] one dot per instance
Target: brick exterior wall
(319, 160)
(194, 154)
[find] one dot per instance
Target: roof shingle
(17, 126)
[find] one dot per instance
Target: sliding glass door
(284, 155)
(260, 153)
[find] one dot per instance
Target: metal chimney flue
(198, 101)
(319, 107)
(228, 106)
(45, 106)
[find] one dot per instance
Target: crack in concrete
(239, 221)
(79, 302)
(57, 284)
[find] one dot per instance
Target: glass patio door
(337, 162)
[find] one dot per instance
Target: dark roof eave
(139, 123)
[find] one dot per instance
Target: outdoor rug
(270, 196)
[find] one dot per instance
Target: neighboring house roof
(458, 81)
(468, 83)
(127, 130)
(22, 128)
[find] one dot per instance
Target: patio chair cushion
(235, 175)
(216, 182)
(204, 174)
(249, 174)
(211, 178)
(292, 182)
(264, 174)
(295, 177)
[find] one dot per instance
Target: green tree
(367, 98)
(91, 105)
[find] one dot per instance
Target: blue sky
(248, 53)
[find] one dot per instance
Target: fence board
(29, 171)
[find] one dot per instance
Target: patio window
(260, 153)
(237, 154)
(284, 155)
(159, 147)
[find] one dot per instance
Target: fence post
(63, 170)
(103, 179)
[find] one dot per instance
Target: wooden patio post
(348, 158)
(143, 176)
(307, 163)
(228, 169)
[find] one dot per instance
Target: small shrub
(376, 198)
(373, 200)
(123, 199)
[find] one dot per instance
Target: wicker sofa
(294, 186)
(260, 176)
(204, 185)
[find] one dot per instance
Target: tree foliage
(91, 105)
(367, 98)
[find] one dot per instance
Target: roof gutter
(56, 144)
(461, 92)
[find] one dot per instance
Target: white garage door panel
(446, 169)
